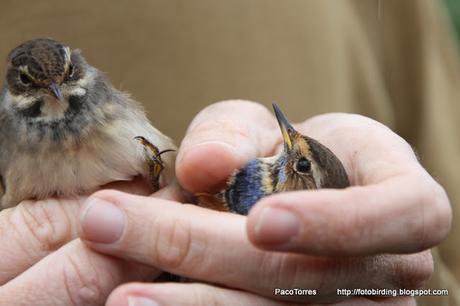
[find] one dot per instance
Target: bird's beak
(285, 126)
(55, 91)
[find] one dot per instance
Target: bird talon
(155, 163)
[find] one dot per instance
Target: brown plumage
(66, 130)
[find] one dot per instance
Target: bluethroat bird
(304, 163)
(66, 130)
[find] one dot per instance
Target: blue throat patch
(247, 187)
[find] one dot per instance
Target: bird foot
(154, 161)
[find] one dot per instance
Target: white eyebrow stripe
(24, 69)
(67, 54)
(67, 57)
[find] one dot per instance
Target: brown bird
(66, 130)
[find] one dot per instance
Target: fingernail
(141, 301)
(276, 226)
(102, 221)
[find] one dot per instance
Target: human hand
(42, 261)
(394, 207)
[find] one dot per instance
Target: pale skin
(395, 208)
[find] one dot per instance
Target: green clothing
(391, 60)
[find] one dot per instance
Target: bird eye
(303, 165)
(24, 78)
(71, 71)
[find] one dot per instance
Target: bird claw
(154, 161)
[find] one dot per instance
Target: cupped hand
(372, 235)
(42, 261)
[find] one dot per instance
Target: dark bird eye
(72, 74)
(303, 165)
(24, 78)
(71, 71)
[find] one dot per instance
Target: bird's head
(305, 163)
(42, 76)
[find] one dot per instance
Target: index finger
(222, 138)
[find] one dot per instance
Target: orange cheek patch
(302, 147)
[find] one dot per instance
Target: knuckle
(413, 271)
(173, 243)
(424, 269)
(291, 271)
(352, 229)
(46, 223)
(279, 268)
(443, 211)
(82, 282)
(435, 216)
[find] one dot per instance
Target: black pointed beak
(286, 128)
(55, 91)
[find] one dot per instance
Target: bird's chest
(105, 155)
(248, 185)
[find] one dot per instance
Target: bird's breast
(109, 153)
(248, 185)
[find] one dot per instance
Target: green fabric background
(453, 7)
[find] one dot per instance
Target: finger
(32, 230)
(136, 186)
(199, 294)
(222, 138)
(208, 245)
(183, 294)
(174, 192)
(74, 275)
(403, 214)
